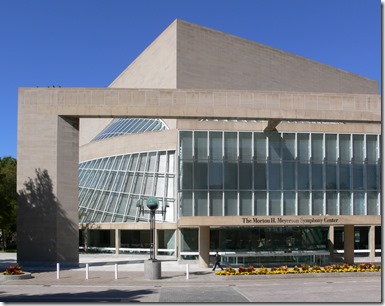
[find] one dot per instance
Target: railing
(276, 258)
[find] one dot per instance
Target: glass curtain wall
(110, 187)
(257, 173)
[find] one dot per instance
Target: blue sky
(88, 43)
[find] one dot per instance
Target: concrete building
(263, 155)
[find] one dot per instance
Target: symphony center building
(271, 158)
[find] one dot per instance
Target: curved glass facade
(271, 173)
(111, 187)
(123, 126)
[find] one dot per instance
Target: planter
(25, 275)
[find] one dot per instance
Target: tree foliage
(8, 198)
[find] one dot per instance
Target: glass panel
(274, 176)
(128, 182)
(215, 139)
(260, 146)
(134, 162)
(186, 175)
(200, 145)
(215, 175)
(288, 147)
(171, 162)
(245, 148)
(344, 176)
(345, 203)
(114, 198)
(216, 203)
(359, 203)
(189, 240)
(317, 176)
(303, 203)
(331, 176)
(260, 175)
(331, 203)
(131, 208)
(186, 203)
(344, 147)
(317, 147)
(373, 203)
(149, 184)
(231, 146)
(371, 175)
(162, 166)
(274, 203)
(102, 180)
(138, 183)
(245, 175)
(274, 146)
(358, 176)
(123, 164)
(358, 147)
(288, 175)
(103, 201)
(122, 202)
(200, 175)
(303, 147)
(151, 161)
(289, 203)
(260, 203)
(111, 179)
(371, 148)
(170, 187)
(185, 145)
(231, 175)
(246, 203)
(303, 176)
(331, 147)
(200, 203)
(317, 203)
(231, 203)
(160, 181)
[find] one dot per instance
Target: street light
(152, 204)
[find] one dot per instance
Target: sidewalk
(199, 285)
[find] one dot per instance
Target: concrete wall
(215, 60)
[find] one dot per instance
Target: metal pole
(57, 270)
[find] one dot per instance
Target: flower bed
(13, 270)
(250, 270)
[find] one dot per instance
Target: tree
(8, 199)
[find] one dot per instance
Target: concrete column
(331, 242)
(372, 243)
(349, 244)
(117, 240)
(204, 246)
(47, 184)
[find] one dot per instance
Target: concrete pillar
(331, 242)
(204, 246)
(117, 240)
(372, 243)
(349, 244)
(47, 184)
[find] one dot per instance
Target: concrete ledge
(26, 275)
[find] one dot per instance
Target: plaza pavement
(102, 282)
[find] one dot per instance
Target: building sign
(305, 220)
(323, 220)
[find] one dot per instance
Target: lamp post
(152, 268)
(152, 204)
